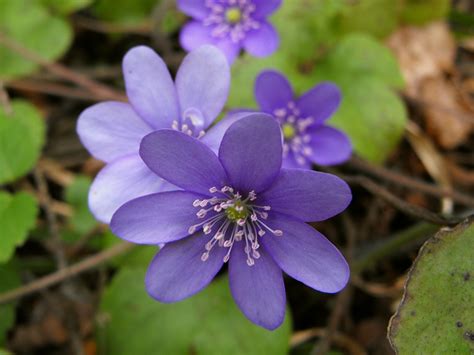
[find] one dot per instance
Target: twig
(52, 89)
(401, 205)
(57, 249)
(394, 243)
(409, 182)
(340, 339)
(97, 88)
(66, 273)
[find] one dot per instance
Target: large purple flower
(230, 25)
(240, 207)
(307, 139)
(112, 131)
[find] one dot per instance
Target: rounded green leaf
(22, 135)
(82, 221)
(436, 314)
(67, 7)
(17, 217)
(419, 12)
(124, 11)
(30, 24)
(208, 323)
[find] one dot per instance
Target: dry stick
(57, 247)
(97, 88)
(403, 180)
(340, 339)
(66, 273)
(407, 208)
(52, 89)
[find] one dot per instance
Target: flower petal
(264, 8)
(258, 290)
(290, 162)
(202, 83)
(307, 195)
(194, 34)
(194, 8)
(329, 145)
(272, 91)
(178, 272)
(263, 41)
(121, 181)
(213, 136)
(183, 161)
(306, 255)
(251, 152)
(320, 102)
(110, 130)
(157, 218)
(150, 87)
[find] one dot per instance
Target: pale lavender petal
(251, 152)
(289, 162)
(272, 91)
(306, 255)
(178, 272)
(229, 48)
(202, 83)
(307, 195)
(329, 146)
(183, 161)
(213, 136)
(150, 87)
(194, 34)
(110, 130)
(157, 218)
(194, 8)
(263, 41)
(121, 181)
(258, 290)
(264, 8)
(320, 102)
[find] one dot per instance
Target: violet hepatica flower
(238, 207)
(230, 25)
(112, 131)
(307, 138)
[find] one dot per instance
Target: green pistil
(235, 215)
(288, 131)
(233, 15)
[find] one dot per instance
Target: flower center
(294, 129)
(192, 123)
(289, 131)
(233, 15)
(232, 220)
(230, 18)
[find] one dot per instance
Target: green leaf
(377, 17)
(17, 217)
(207, 323)
(124, 11)
(22, 135)
(436, 314)
(82, 221)
(9, 280)
(66, 7)
(419, 12)
(29, 23)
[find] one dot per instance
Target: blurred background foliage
(43, 203)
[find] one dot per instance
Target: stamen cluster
(232, 18)
(296, 137)
(232, 219)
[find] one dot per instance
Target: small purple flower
(230, 25)
(239, 207)
(307, 139)
(112, 131)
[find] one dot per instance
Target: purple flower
(112, 131)
(307, 139)
(238, 206)
(230, 25)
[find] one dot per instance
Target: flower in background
(112, 131)
(307, 138)
(239, 207)
(230, 25)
